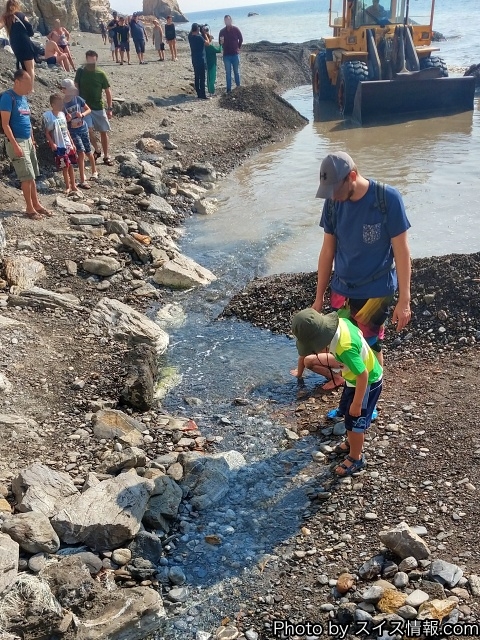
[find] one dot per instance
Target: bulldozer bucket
(412, 93)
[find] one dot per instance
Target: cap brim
(325, 191)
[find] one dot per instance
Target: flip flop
(84, 185)
(34, 216)
(355, 467)
(108, 161)
(44, 212)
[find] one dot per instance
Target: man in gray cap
(365, 232)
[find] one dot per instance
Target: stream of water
(268, 223)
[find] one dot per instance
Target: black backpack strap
(381, 199)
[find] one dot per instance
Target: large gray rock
(70, 206)
(102, 266)
(205, 172)
(38, 298)
(22, 272)
(88, 219)
(110, 424)
(163, 9)
(150, 145)
(33, 532)
(129, 458)
(141, 364)
(77, 14)
(445, 573)
(157, 204)
(208, 477)
(125, 323)
(404, 542)
(8, 561)
(70, 581)
(15, 428)
(131, 169)
(182, 273)
(107, 514)
(206, 206)
(164, 503)
(38, 488)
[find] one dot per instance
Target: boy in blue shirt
(20, 145)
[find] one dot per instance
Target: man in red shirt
(231, 39)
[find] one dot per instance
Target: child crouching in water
(339, 344)
(60, 142)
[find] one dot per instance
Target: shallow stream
(268, 223)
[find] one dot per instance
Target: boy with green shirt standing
(340, 345)
(91, 82)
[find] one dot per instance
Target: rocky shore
(118, 519)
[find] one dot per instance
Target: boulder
(42, 299)
(445, 573)
(84, 15)
(157, 204)
(153, 186)
(109, 424)
(183, 273)
(150, 145)
(147, 546)
(15, 428)
(102, 266)
(22, 272)
(131, 169)
(8, 561)
(88, 219)
(152, 171)
(206, 206)
(138, 248)
(116, 461)
(141, 364)
(205, 172)
(165, 500)
(163, 9)
(154, 231)
(404, 542)
(117, 226)
(70, 206)
(191, 191)
(33, 532)
(125, 323)
(208, 477)
(40, 489)
(106, 515)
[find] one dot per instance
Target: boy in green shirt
(339, 344)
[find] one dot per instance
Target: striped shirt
(350, 348)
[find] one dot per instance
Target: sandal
(340, 450)
(84, 185)
(97, 154)
(34, 215)
(44, 212)
(355, 467)
(108, 161)
(94, 176)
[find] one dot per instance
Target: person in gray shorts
(91, 83)
(20, 145)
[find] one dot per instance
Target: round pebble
(121, 556)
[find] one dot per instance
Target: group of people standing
(121, 29)
(204, 56)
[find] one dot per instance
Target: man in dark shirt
(139, 36)
(123, 36)
(112, 33)
(199, 61)
(231, 40)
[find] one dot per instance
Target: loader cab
(353, 14)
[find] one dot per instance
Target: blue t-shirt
(364, 248)
(74, 106)
(137, 30)
(197, 47)
(19, 109)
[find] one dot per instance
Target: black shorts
(124, 46)
(139, 46)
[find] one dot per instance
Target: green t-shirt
(350, 348)
(91, 84)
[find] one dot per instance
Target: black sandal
(355, 467)
(339, 450)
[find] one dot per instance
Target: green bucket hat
(314, 331)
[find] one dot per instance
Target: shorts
(81, 140)
(139, 46)
(64, 159)
(368, 314)
(98, 121)
(124, 46)
(51, 60)
(25, 167)
(362, 422)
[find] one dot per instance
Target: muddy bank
(445, 302)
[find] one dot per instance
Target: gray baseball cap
(333, 171)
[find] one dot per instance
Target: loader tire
(434, 62)
(350, 74)
(322, 87)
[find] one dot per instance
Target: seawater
(302, 20)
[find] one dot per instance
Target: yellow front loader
(380, 63)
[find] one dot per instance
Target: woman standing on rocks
(20, 31)
(171, 37)
(157, 37)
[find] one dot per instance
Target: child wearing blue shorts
(341, 342)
